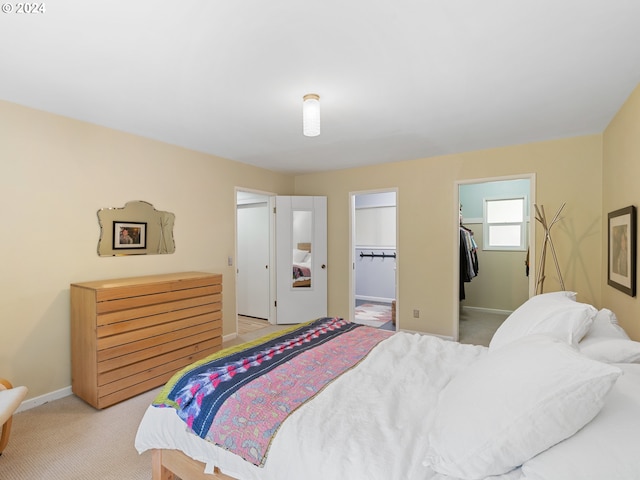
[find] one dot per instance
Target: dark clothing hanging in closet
(469, 266)
(463, 266)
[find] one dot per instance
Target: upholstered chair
(10, 399)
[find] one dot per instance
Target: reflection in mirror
(302, 232)
(136, 229)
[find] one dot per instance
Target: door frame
(456, 237)
(352, 249)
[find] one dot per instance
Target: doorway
(373, 247)
(492, 274)
(271, 231)
(253, 250)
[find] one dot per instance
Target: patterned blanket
(300, 271)
(238, 399)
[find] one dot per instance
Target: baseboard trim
(42, 399)
(489, 310)
(231, 336)
(368, 298)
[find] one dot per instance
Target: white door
(301, 258)
(253, 260)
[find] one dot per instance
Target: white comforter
(371, 423)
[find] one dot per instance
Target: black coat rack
(376, 255)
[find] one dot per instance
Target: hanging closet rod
(381, 255)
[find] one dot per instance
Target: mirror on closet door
(302, 232)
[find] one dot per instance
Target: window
(504, 224)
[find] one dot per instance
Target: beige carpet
(69, 440)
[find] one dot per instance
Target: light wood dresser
(129, 335)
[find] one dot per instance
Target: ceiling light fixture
(311, 115)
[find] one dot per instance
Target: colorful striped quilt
(238, 399)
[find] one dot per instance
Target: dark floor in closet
(477, 326)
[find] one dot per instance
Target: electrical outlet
(416, 313)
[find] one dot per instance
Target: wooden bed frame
(173, 464)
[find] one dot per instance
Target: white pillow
(606, 341)
(555, 313)
(612, 350)
(299, 256)
(606, 448)
(513, 404)
(605, 325)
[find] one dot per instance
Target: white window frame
(486, 225)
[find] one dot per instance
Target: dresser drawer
(130, 335)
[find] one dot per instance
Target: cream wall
(56, 174)
(621, 171)
(427, 217)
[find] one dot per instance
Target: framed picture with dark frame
(129, 235)
(621, 272)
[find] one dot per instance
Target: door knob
(324, 266)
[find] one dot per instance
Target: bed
(556, 395)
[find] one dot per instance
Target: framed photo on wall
(622, 250)
(127, 235)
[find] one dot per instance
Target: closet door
(301, 257)
(253, 260)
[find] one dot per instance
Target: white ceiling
(398, 79)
